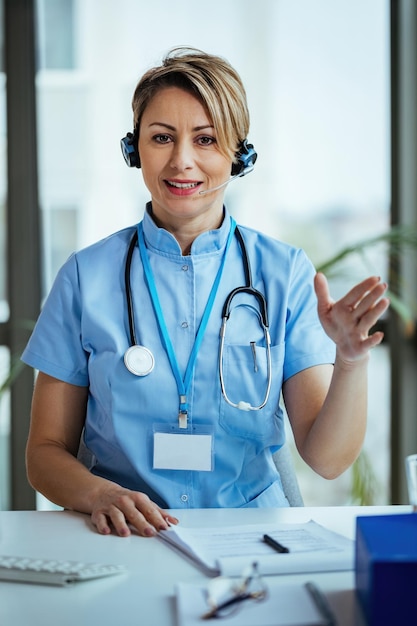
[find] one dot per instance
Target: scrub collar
(161, 240)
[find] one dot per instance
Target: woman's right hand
(57, 421)
(120, 509)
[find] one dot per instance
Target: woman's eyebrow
(169, 127)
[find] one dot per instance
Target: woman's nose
(182, 156)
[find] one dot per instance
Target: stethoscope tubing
(128, 289)
(247, 288)
(263, 319)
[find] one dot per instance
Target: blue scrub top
(83, 332)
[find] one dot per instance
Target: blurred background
(327, 116)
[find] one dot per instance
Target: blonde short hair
(215, 83)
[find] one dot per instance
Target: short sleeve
(55, 346)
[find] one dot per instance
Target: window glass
(317, 79)
(60, 230)
(56, 29)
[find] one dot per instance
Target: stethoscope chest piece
(139, 360)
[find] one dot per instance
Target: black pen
(278, 547)
(321, 603)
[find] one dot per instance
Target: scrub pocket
(245, 379)
(272, 496)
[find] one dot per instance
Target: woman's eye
(206, 141)
(162, 138)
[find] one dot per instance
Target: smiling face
(179, 158)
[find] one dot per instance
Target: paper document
(287, 604)
(227, 550)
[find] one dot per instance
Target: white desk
(143, 596)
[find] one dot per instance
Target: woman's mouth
(182, 187)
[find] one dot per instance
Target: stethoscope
(140, 361)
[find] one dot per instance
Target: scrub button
(184, 325)
(185, 268)
(184, 497)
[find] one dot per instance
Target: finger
(119, 513)
(321, 287)
(150, 520)
(370, 299)
(160, 518)
(372, 315)
(147, 517)
(128, 512)
(99, 520)
(119, 520)
(372, 341)
(156, 518)
(356, 295)
(170, 519)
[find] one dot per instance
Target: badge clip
(182, 419)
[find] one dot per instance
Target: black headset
(129, 146)
(245, 156)
(245, 159)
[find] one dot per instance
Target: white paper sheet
(286, 605)
(227, 550)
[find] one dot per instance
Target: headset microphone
(247, 170)
(245, 162)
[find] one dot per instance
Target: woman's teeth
(182, 185)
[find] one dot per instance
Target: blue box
(386, 568)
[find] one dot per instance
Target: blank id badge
(183, 448)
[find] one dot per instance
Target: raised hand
(349, 320)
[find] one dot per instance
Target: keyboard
(51, 572)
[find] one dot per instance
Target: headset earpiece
(246, 157)
(129, 146)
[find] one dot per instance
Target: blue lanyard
(183, 385)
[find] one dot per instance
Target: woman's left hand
(349, 320)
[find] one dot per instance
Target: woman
(162, 428)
